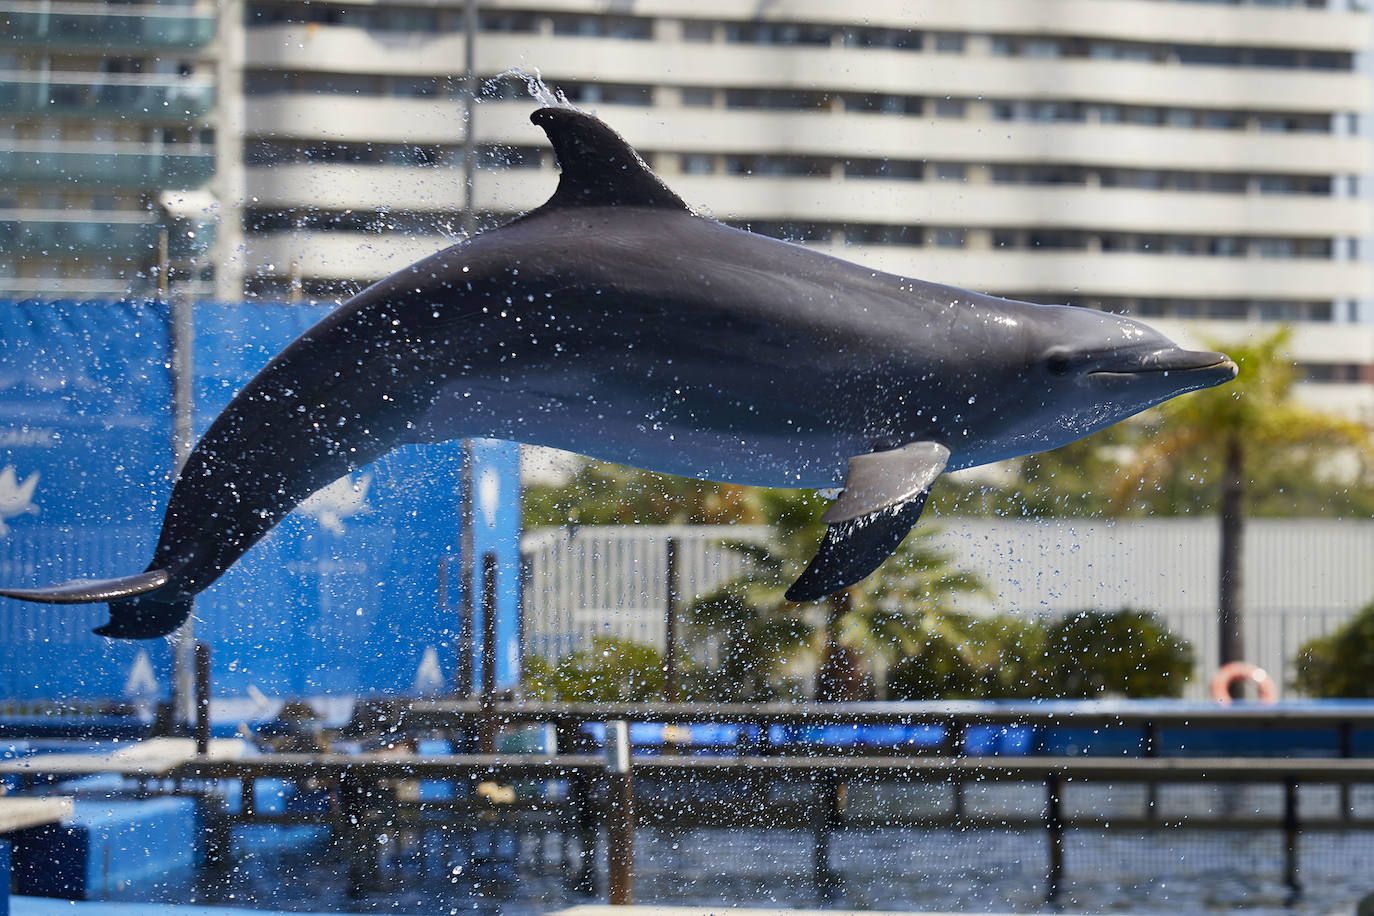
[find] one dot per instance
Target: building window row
(431, 20)
(1167, 53)
(800, 34)
(266, 152)
(1336, 373)
(276, 82)
(1214, 246)
(1291, 4)
(765, 165)
(1277, 310)
(281, 82)
(1040, 110)
(289, 152)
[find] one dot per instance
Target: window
(949, 108)
(949, 43)
(697, 164)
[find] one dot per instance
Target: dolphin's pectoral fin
(883, 480)
(852, 549)
(599, 168)
(883, 497)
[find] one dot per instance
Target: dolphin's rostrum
(615, 322)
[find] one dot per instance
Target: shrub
(610, 671)
(1126, 652)
(1340, 664)
(970, 658)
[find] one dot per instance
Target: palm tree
(1207, 449)
(903, 605)
(601, 493)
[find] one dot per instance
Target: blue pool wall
(349, 605)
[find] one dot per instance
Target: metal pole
(163, 261)
(488, 728)
(1151, 749)
(182, 343)
(620, 826)
(1290, 834)
(1054, 824)
(5, 861)
(202, 652)
(583, 872)
(1346, 734)
(470, 25)
(353, 819)
(467, 605)
(670, 614)
(825, 819)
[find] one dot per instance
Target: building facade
(1203, 165)
(106, 137)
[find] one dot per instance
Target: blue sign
(344, 597)
(85, 464)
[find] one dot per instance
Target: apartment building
(1204, 165)
(105, 137)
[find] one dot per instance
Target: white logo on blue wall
(489, 495)
(429, 677)
(344, 498)
(15, 498)
(142, 682)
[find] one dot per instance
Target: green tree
(1084, 655)
(1078, 479)
(974, 658)
(1207, 450)
(904, 604)
(1126, 652)
(1340, 664)
(609, 671)
(600, 493)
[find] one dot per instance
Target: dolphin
(615, 322)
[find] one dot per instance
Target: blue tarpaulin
(341, 598)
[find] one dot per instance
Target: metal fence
(611, 581)
(1304, 578)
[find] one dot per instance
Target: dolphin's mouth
(1196, 363)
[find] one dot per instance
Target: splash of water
(537, 88)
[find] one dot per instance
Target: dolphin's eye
(1058, 364)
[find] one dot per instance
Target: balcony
(133, 236)
(106, 96)
(106, 166)
(131, 27)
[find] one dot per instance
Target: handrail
(449, 713)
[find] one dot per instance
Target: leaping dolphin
(615, 322)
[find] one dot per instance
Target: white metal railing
(1304, 578)
(610, 581)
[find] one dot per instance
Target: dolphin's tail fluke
(145, 617)
(134, 612)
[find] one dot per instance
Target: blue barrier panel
(110, 847)
(342, 598)
(85, 463)
(496, 530)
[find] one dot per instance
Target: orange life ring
(1231, 672)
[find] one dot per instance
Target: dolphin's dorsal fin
(599, 168)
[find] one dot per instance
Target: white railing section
(1304, 577)
(609, 581)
